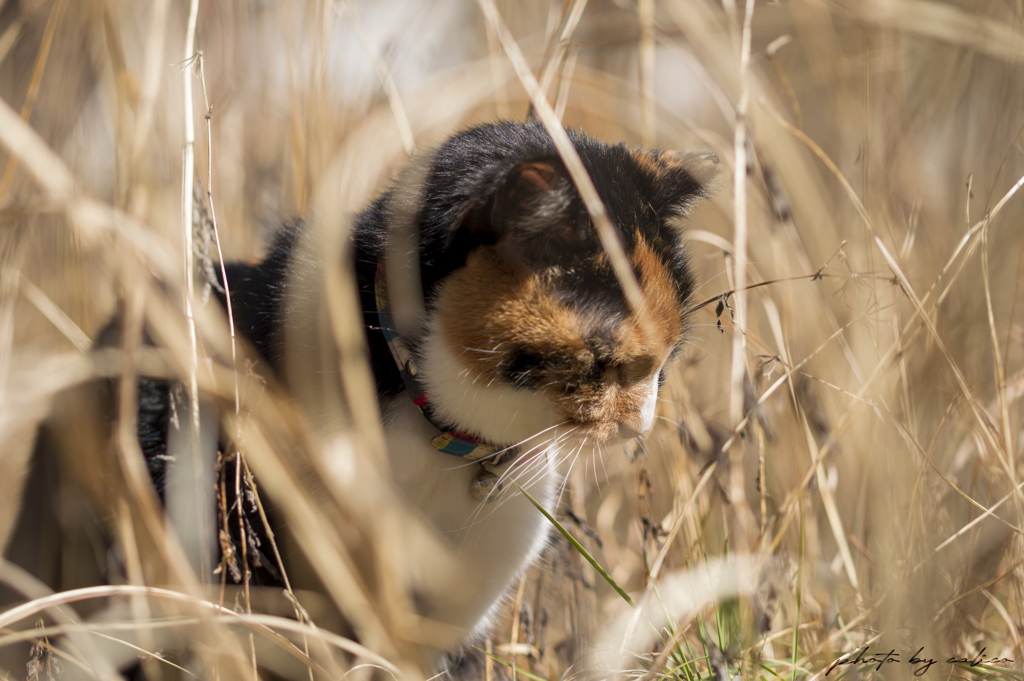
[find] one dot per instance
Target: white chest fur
(497, 540)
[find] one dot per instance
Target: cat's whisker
(696, 342)
(489, 352)
(592, 448)
(642, 446)
(600, 455)
(564, 483)
(560, 489)
(665, 418)
(571, 453)
(596, 453)
(559, 462)
(693, 344)
(498, 453)
(546, 446)
(579, 450)
(520, 472)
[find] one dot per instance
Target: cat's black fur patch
(524, 368)
(258, 292)
(153, 398)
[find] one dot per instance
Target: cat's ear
(536, 201)
(681, 178)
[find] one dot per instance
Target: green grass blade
(799, 593)
(577, 546)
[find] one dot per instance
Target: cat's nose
(628, 431)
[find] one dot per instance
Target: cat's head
(529, 327)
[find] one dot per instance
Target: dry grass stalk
(867, 404)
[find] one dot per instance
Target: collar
(455, 443)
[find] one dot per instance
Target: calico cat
(521, 355)
(525, 355)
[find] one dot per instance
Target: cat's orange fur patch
(490, 307)
(701, 168)
(661, 296)
(490, 304)
(648, 162)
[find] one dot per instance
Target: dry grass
(846, 472)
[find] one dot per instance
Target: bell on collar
(485, 486)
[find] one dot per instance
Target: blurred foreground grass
(854, 478)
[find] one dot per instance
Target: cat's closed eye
(632, 371)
